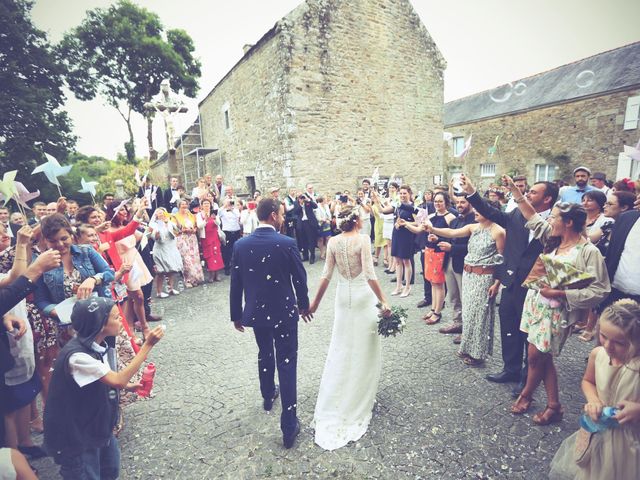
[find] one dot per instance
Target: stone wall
(252, 93)
(583, 132)
(367, 90)
(335, 89)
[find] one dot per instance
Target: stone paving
(434, 419)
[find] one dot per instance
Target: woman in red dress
(210, 240)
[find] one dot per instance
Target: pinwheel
(467, 147)
(8, 185)
(24, 195)
(494, 148)
(88, 187)
(119, 207)
(52, 169)
(375, 176)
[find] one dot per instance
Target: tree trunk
(130, 147)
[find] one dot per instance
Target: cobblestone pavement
(434, 417)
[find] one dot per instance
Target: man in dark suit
(622, 258)
(306, 226)
(170, 195)
(520, 253)
(267, 269)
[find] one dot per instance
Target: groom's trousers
(286, 355)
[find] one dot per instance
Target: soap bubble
(519, 88)
(585, 79)
(502, 94)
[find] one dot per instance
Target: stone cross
(167, 103)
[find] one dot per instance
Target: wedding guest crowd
(474, 247)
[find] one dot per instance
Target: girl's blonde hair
(625, 314)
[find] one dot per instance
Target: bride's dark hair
(347, 218)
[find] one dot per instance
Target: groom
(267, 267)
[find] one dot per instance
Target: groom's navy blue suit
(267, 268)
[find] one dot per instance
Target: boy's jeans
(92, 464)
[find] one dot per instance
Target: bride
(352, 370)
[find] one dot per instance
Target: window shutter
(632, 113)
(624, 166)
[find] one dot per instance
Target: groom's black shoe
(268, 402)
(289, 440)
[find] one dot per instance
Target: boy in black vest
(82, 407)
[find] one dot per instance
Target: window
(227, 124)
(545, 173)
(458, 145)
(627, 167)
(632, 113)
(487, 169)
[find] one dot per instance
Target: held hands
(594, 410)
(237, 324)
(432, 238)
(629, 412)
(11, 323)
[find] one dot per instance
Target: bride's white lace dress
(352, 370)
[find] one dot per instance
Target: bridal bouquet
(391, 321)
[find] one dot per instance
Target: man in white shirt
(230, 219)
(623, 258)
(521, 182)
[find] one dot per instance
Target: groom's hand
(306, 315)
(238, 326)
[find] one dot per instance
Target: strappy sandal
(518, 408)
(549, 415)
(586, 336)
(461, 355)
(428, 315)
(433, 319)
(472, 362)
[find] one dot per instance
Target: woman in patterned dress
(479, 288)
(549, 314)
(188, 245)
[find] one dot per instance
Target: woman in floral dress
(188, 245)
(550, 313)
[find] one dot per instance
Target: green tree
(31, 95)
(121, 54)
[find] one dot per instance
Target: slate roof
(605, 72)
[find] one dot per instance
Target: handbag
(222, 236)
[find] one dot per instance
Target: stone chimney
(247, 47)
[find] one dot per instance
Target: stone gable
(334, 89)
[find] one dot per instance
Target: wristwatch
(98, 278)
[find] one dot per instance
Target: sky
(486, 43)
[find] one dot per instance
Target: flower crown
(348, 215)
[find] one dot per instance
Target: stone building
(334, 89)
(582, 113)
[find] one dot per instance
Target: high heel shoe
(521, 405)
(396, 292)
(405, 292)
(549, 415)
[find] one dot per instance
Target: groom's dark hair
(266, 207)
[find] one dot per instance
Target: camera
(344, 198)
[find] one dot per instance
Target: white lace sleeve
(330, 261)
(367, 259)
